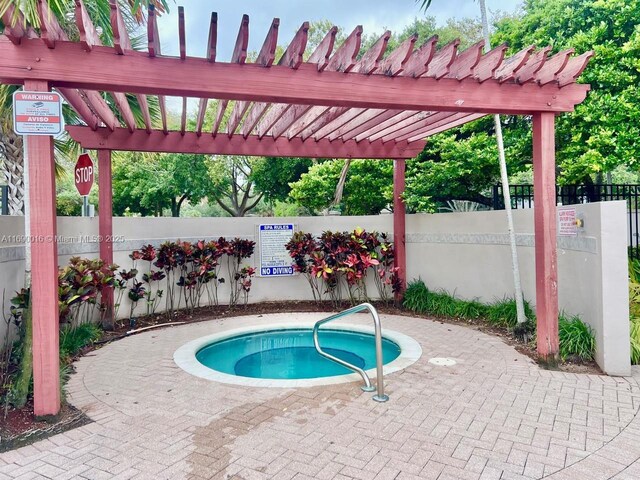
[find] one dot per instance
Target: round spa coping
(185, 356)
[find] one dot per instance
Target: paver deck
(493, 415)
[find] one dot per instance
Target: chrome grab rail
(379, 396)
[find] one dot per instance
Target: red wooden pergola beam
(552, 67)
(293, 55)
(15, 32)
(456, 120)
(574, 67)
(489, 63)
(418, 63)
(98, 104)
(153, 49)
(50, 29)
(366, 65)
(88, 35)
(463, 65)
(345, 57)
(394, 63)
(211, 57)
(73, 98)
(510, 66)
(190, 142)
(441, 62)
(368, 119)
(406, 120)
(324, 49)
(196, 77)
(536, 61)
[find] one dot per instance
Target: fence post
(496, 197)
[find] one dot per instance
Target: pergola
(336, 103)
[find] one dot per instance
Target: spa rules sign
(274, 258)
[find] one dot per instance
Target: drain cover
(442, 362)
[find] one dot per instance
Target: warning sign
(37, 113)
(567, 221)
(275, 260)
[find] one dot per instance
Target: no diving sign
(275, 260)
(37, 113)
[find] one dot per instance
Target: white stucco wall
(464, 253)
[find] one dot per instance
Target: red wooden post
(544, 181)
(105, 226)
(399, 218)
(44, 277)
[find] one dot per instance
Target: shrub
(576, 339)
(503, 313)
(416, 297)
(73, 339)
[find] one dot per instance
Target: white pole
(505, 184)
(27, 216)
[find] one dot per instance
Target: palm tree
(504, 178)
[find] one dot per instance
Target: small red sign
(83, 174)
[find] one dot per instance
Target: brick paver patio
(494, 415)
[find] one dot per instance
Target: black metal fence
(522, 197)
(4, 200)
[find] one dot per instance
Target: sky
(373, 15)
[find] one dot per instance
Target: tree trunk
(337, 199)
(12, 158)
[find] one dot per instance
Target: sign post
(83, 178)
(275, 260)
(37, 113)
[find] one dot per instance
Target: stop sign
(83, 174)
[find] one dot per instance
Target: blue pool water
(290, 354)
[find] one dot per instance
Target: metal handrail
(379, 396)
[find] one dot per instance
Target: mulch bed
(21, 428)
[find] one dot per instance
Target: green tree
(273, 175)
(147, 184)
(367, 191)
(231, 184)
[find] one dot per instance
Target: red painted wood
(182, 36)
(399, 222)
(367, 119)
(242, 41)
(552, 67)
(574, 67)
(88, 35)
(265, 58)
(73, 98)
(183, 118)
(287, 120)
(50, 29)
(323, 51)
(256, 113)
(190, 142)
(371, 59)
(122, 103)
(212, 40)
(463, 65)
(340, 120)
(163, 112)
(427, 119)
(418, 63)
(121, 41)
(406, 121)
(268, 51)
(105, 225)
(456, 120)
(193, 77)
(15, 31)
(441, 62)
(536, 61)
(510, 66)
(345, 57)
(146, 116)
(44, 276)
(98, 104)
(544, 181)
(293, 55)
(394, 63)
(489, 63)
(153, 39)
(274, 114)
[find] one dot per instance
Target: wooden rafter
(154, 49)
(212, 42)
(175, 142)
(292, 58)
(489, 63)
(441, 62)
(182, 40)
(536, 61)
(463, 65)
(239, 56)
(122, 44)
(18, 30)
(574, 67)
(265, 58)
(552, 67)
(510, 66)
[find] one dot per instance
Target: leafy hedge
(576, 338)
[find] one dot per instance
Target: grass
(576, 337)
(75, 338)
